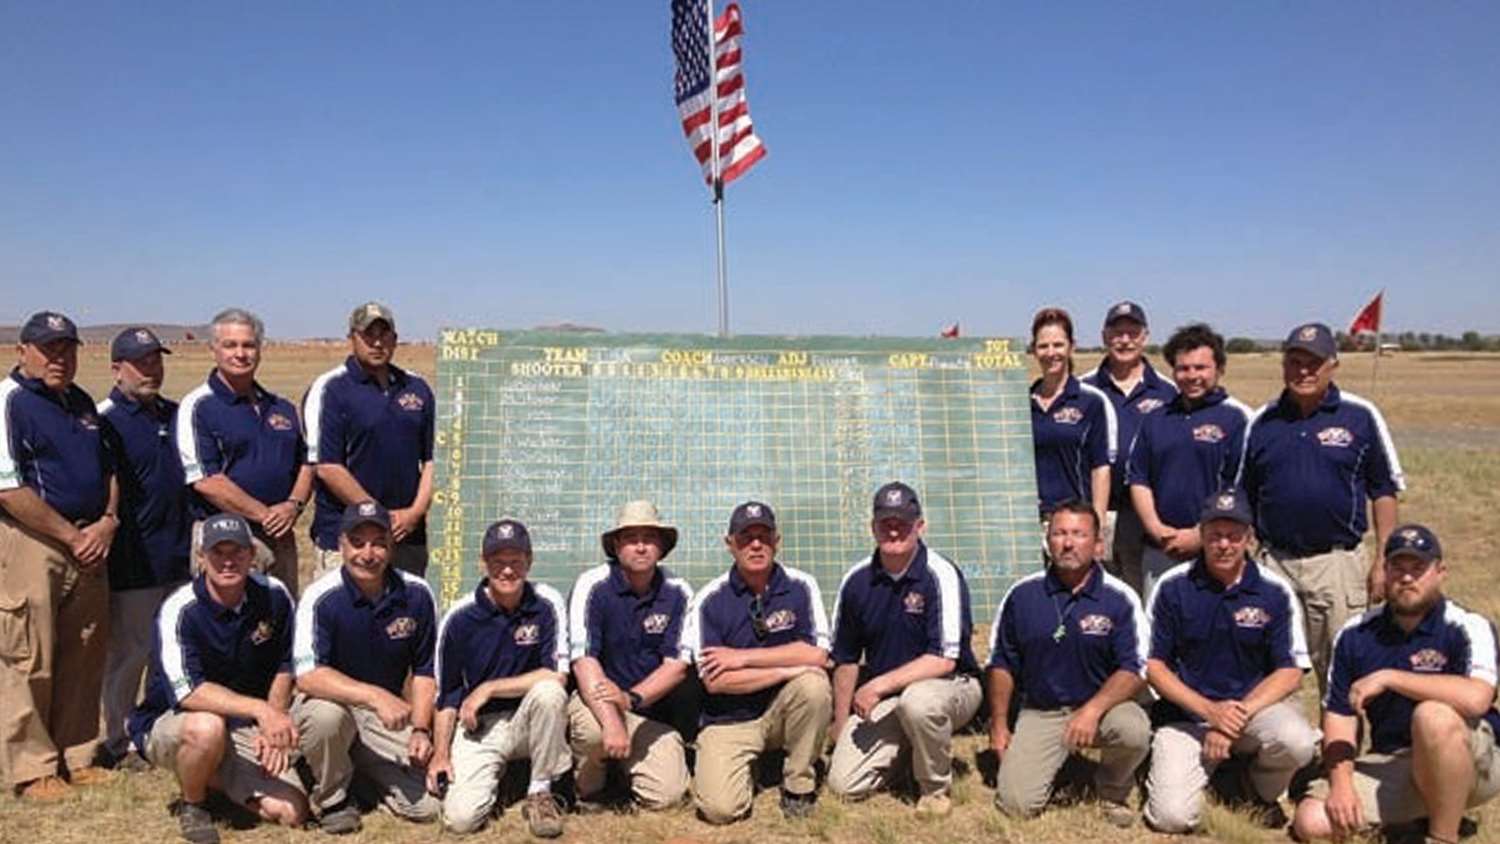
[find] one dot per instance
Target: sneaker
(342, 819)
(1269, 814)
(196, 824)
(935, 805)
(543, 815)
(798, 805)
(45, 789)
(1117, 814)
(88, 775)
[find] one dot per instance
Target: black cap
(1228, 504)
(364, 513)
(749, 514)
(135, 343)
(1125, 310)
(506, 533)
(226, 527)
(1414, 540)
(1313, 337)
(899, 500)
(46, 326)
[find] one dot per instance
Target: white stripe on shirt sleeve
(317, 394)
(578, 607)
(814, 597)
(187, 432)
(560, 610)
(952, 598)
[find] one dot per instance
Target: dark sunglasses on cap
(758, 619)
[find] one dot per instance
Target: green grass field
(1445, 414)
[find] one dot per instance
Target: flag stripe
(739, 147)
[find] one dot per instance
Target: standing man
(905, 676)
(1185, 451)
(1312, 459)
(369, 436)
(502, 655)
(760, 638)
(1421, 669)
(149, 557)
(1136, 391)
(242, 449)
(58, 517)
(1227, 654)
(627, 618)
(1071, 640)
(365, 633)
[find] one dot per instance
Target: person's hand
(404, 520)
(91, 544)
(716, 660)
(1183, 544)
(279, 519)
(866, 698)
(1216, 746)
(419, 747)
(999, 739)
(468, 711)
(1375, 583)
(616, 742)
(604, 690)
(273, 760)
(1228, 717)
(440, 768)
(392, 711)
(1345, 815)
(1367, 688)
(1082, 728)
(276, 727)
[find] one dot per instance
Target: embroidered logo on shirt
(1095, 624)
(279, 422)
(1148, 405)
(1336, 437)
(527, 634)
(401, 628)
(1068, 416)
(1429, 660)
(1251, 617)
(1209, 433)
(410, 401)
(655, 623)
(89, 422)
(262, 633)
(914, 603)
(781, 620)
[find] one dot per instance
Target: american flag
(739, 148)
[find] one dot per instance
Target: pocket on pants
(15, 632)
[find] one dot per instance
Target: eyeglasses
(758, 619)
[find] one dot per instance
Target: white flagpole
(718, 178)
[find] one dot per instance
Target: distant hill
(169, 333)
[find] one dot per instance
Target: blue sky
(515, 163)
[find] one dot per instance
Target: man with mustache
(1421, 670)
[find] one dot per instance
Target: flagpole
(1375, 365)
(722, 266)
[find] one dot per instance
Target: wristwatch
(635, 699)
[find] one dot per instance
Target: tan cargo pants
(657, 764)
(359, 742)
(1037, 753)
(1331, 589)
(919, 724)
(536, 729)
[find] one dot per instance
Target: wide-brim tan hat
(640, 513)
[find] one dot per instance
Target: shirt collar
(621, 584)
(483, 601)
(914, 569)
(1329, 403)
(360, 374)
(221, 612)
(1149, 378)
(1090, 588)
(394, 587)
(1425, 628)
(1215, 396)
(1249, 578)
(1070, 388)
(65, 399)
(774, 586)
(223, 390)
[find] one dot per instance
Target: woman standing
(1072, 424)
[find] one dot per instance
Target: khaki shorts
(1384, 784)
(240, 775)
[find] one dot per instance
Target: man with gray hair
(242, 448)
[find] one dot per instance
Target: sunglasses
(758, 619)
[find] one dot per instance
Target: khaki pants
(918, 722)
(408, 558)
(1124, 542)
(357, 742)
(657, 764)
(1037, 753)
(132, 614)
(796, 721)
(276, 557)
(1279, 737)
(1331, 588)
(1387, 794)
(54, 623)
(537, 729)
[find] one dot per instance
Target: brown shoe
(935, 805)
(543, 815)
(45, 789)
(89, 776)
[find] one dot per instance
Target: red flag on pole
(950, 331)
(1367, 321)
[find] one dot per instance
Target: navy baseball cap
(506, 533)
(1228, 504)
(1416, 541)
(135, 343)
(1125, 310)
(226, 527)
(749, 514)
(898, 500)
(364, 513)
(1314, 338)
(45, 326)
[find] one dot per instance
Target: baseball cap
(46, 326)
(226, 527)
(1415, 540)
(364, 513)
(1228, 504)
(1313, 337)
(506, 533)
(749, 514)
(899, 500)
(135, 343)
(1125, 310)
(361, 317)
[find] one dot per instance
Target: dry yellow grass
(1445, 414)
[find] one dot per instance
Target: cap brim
(1308, 347)
(896, 512)
(349, 528)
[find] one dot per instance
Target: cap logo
(1411, 536)
(893, 497)
(1225, 502)
(143, 336)
(225, 523)
(1096, 624)
(1308, 333)
(372, 311)
(505, 531)
(55, 322)
(753, 511)
(1122, 309)
(367, 508)
(1429, 660)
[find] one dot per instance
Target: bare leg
(1442, 768)
(202, 748)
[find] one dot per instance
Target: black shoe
(798, 805)
(196, 824)
(1268, 814)
(342, 819)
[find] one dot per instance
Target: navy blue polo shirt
(1105, 632)
(255, 440)
(1222, 641)
(479, 641)
(792, 609)
(382, 436)
(198, 640)
(151, 545)
(1448, 640)
(1149, 395)
(1308, 479)
(629, 634)
(891, 621)
(54, 443)
(375, 642)
(1185, 454)
(1074, 436)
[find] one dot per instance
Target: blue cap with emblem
(1414, 540)
(46, 326)
(135, 343)
(1125, 310)
(506, 533)
(899, 500)
(364, 513)
(226, 527)
(749, 514)
(1314, 338)
(1228, 504)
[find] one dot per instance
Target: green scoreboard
(560, 429)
